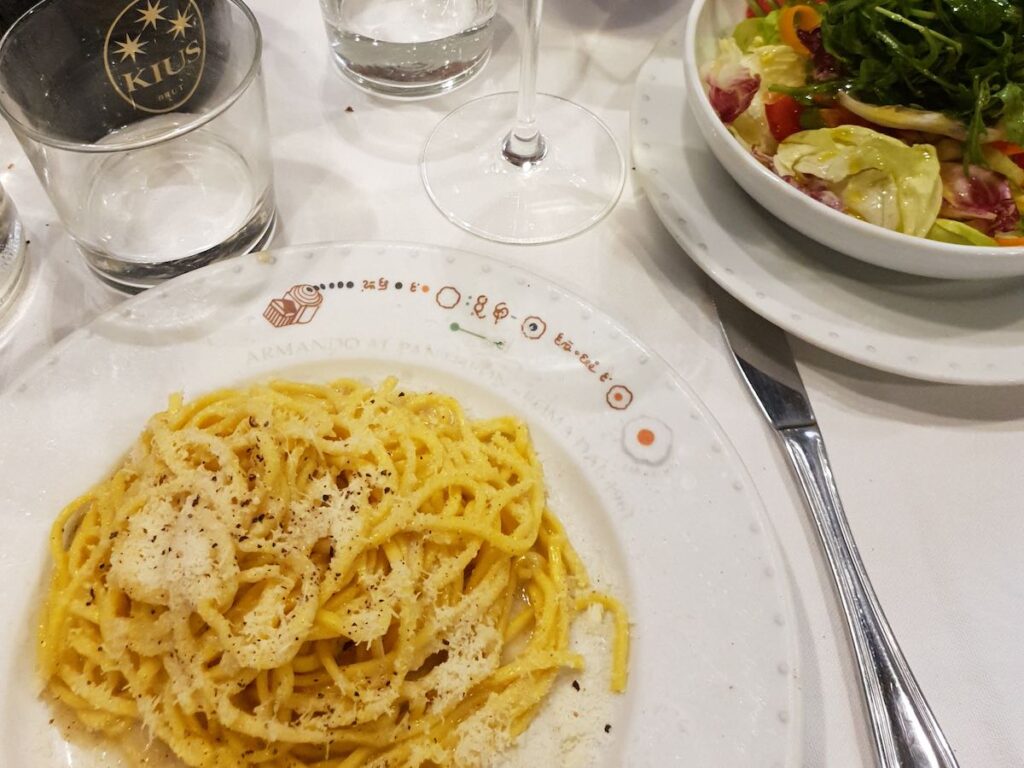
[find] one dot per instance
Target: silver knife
(906, 733)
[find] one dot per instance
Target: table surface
(926, 470)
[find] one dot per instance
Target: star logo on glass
(154, 53)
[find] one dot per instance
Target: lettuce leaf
(777, 65)
(878, 178)
(958, 233)
(1002, 164)
(757, 31)
(1012, 97)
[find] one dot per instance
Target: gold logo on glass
(154, 53)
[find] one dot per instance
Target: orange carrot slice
(797, 17)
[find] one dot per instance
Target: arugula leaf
(961, 57)
(812, 95)
(982, 17)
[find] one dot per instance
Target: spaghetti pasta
(317, 575)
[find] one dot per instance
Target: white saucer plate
(964, 332)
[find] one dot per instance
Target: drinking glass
(409, 49)
(145, 121)
(505, 179)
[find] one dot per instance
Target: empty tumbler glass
(146, 123)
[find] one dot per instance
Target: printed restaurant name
(154, 53)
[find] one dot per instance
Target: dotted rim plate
(672, 510)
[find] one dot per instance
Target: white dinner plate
(966, 332)
(673, 525)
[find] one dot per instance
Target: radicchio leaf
(763, 158)
(978, 195)
(731, 90)
(817, 188)
(825, 65)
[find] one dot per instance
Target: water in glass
(409, 48)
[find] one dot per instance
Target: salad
(903, 113)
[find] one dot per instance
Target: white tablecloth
(928, 472)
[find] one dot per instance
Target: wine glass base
(574, 186)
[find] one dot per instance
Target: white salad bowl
(709, 20)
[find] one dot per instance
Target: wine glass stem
(524, 143)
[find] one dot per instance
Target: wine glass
(516, 184)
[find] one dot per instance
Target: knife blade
(905, 732)
(763, 355)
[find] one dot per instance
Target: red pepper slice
(783, 115)
(1008, 148)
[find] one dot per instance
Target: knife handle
(906, 734)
